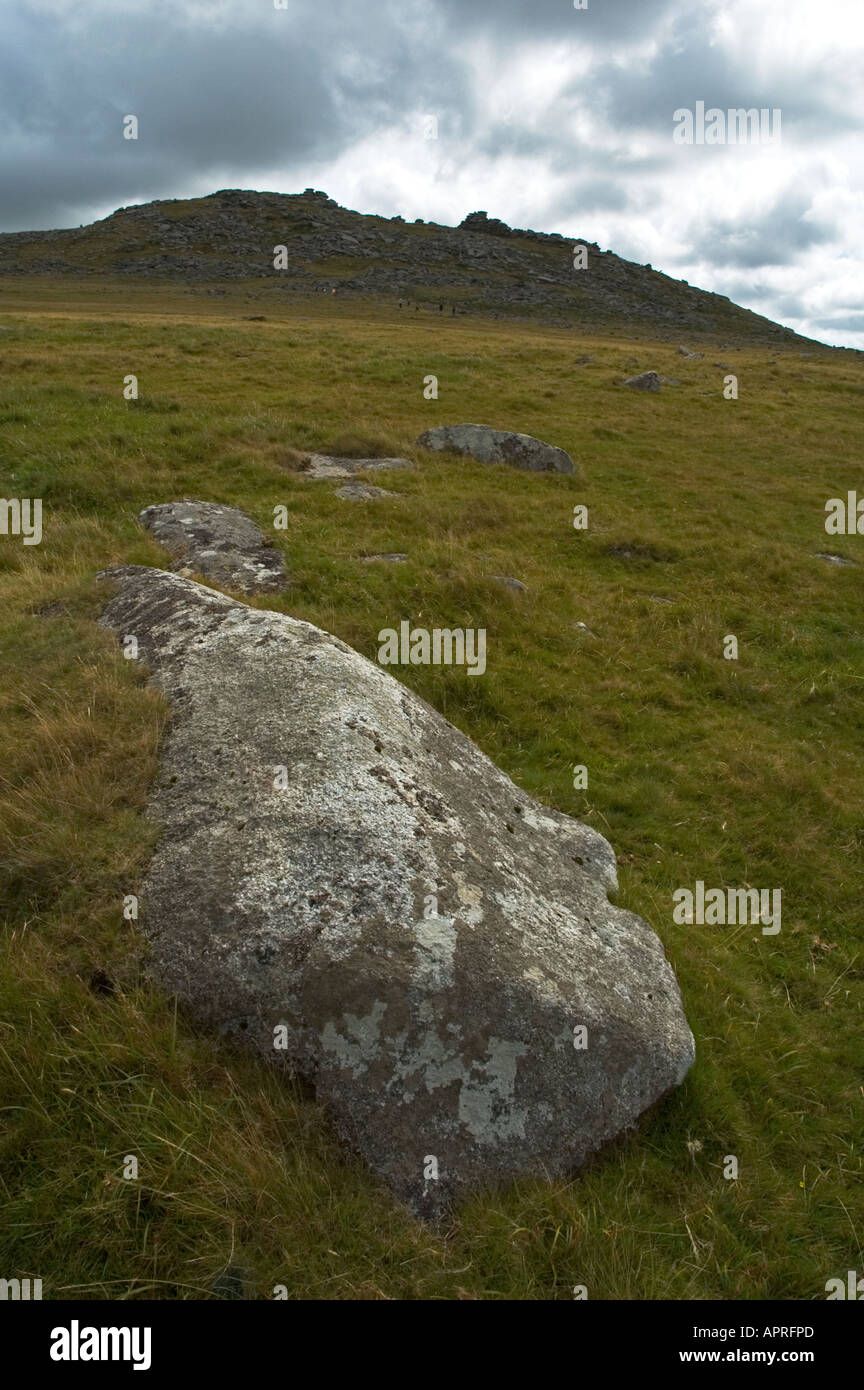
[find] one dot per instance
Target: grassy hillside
(704, 516)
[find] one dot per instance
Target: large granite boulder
(217, 542)
(498, 446)
(345, 882)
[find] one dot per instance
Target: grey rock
(363, 492)
(327, 466)
(670, 381)
(646, 381)
(832, 559)
(509, 583)
(694, 356)
(218, 542)
(396, 558)
(489, 445)
(426, 933)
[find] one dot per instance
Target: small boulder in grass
(646, 381)
(489, 445)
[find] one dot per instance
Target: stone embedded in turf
(220, 543)
(342, 873)
(363, 492)
(498, 446)
(646, 381)
(328, 466)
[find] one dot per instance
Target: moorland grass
(737, 773)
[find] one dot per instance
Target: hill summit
(482, 266)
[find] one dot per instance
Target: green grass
(736, 773)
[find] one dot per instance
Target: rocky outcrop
(482, 266)
(219, 543)
(347, 884)
(498, 446)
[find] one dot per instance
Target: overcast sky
(548, 116)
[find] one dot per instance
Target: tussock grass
(736, 773)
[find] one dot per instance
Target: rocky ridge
(481, 266)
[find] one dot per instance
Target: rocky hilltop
(482, 266)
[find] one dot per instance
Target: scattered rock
(646, 381)
(394, 559)
(347, 884)
(219, 543)
(724, 366)
(515, 584)
(694, 356)
(832, 559)
(639, 550)
(670, 381)
(363, 492)
(498, 446)
(584, 628)
(583, 361)
(658, 598)
(327, 466)
(53, 608)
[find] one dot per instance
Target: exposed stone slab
(339, 862)
(363, 492)
(329, 466)
(219, 543)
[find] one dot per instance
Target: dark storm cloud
(845, 323)
(239, 94)
(519, 21)
(593, 195)
(261, 90)
(776, 238)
